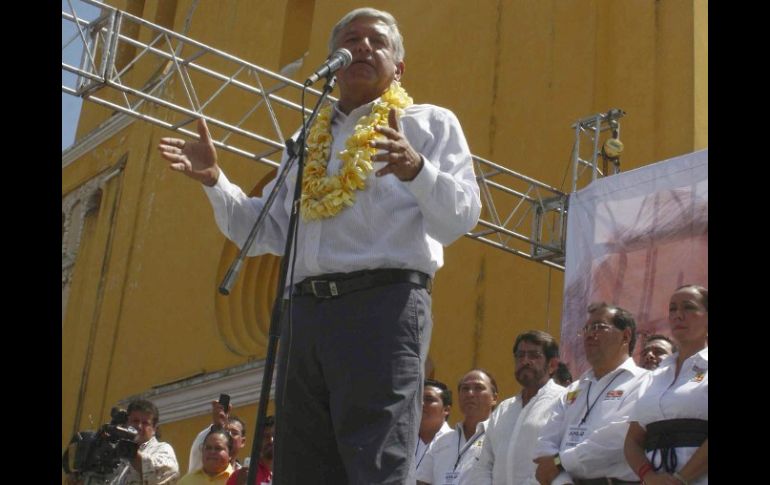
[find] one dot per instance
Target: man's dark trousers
(349, 386)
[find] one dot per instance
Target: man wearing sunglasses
(582, 442)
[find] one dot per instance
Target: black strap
(663, 437)
(338, 284)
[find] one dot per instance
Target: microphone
(339, 59)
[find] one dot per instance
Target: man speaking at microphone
(386, 184)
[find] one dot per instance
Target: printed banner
(632, 239)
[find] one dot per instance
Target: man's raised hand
(196, 159)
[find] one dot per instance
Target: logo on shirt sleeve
(572, 395)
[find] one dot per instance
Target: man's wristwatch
(557, 462)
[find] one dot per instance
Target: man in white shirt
(450, 457)
(507, 454)
(582, 442)
(656, 348)
(155, 461)
(386, 186)
(436, 406)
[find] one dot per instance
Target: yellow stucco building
(142, 256)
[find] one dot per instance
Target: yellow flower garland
(325, 196)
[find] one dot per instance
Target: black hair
(478, 369)
(144, 406)
(658, 336)
(562, 374)
(216, 429)
(621, 319)
(702, 291)
(543, 339)
(235, 419)
(446, 393)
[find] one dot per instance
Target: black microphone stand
(296, 151)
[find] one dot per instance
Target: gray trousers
(349, 386)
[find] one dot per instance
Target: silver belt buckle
(319, 293)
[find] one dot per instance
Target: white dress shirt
(451, 454)
(593, 449)
(662, 395)
(509, 446)
(422, 448)
(392, 224)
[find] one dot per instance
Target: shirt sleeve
(601, 447)
(235, 213)
(160, 467)
(551, 434)
(446, 189)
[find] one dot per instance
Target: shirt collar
(701, 357)
(356, 113)
(226, 473)
(550, 384)
(147, 443)
(482, 426)
(704, 354)
(627, 365)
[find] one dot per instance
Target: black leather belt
(601, 481)
(338, 284)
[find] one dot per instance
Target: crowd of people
(618, 423)
(386, 185)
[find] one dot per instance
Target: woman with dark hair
(217, 468)
(667, 440)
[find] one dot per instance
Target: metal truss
(593, 129)
(170, 80)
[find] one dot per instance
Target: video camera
(100, 452)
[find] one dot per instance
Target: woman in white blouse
(667, 440)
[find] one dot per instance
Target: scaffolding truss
(142, 70)
(595, 131)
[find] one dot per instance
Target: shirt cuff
(569, 459)
(422, 185)
(562, 479)
(221, 186)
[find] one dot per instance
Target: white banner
(632, 239)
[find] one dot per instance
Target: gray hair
(394, 34)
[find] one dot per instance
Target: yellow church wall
(142, 308)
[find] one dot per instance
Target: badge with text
(450, 478)
(575, 435)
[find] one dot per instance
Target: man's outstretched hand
(196, 159)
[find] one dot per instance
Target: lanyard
(468, 444)
(591, 406)
(425, 452)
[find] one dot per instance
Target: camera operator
(155, 462)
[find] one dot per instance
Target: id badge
(450, 478)
(575, 435)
